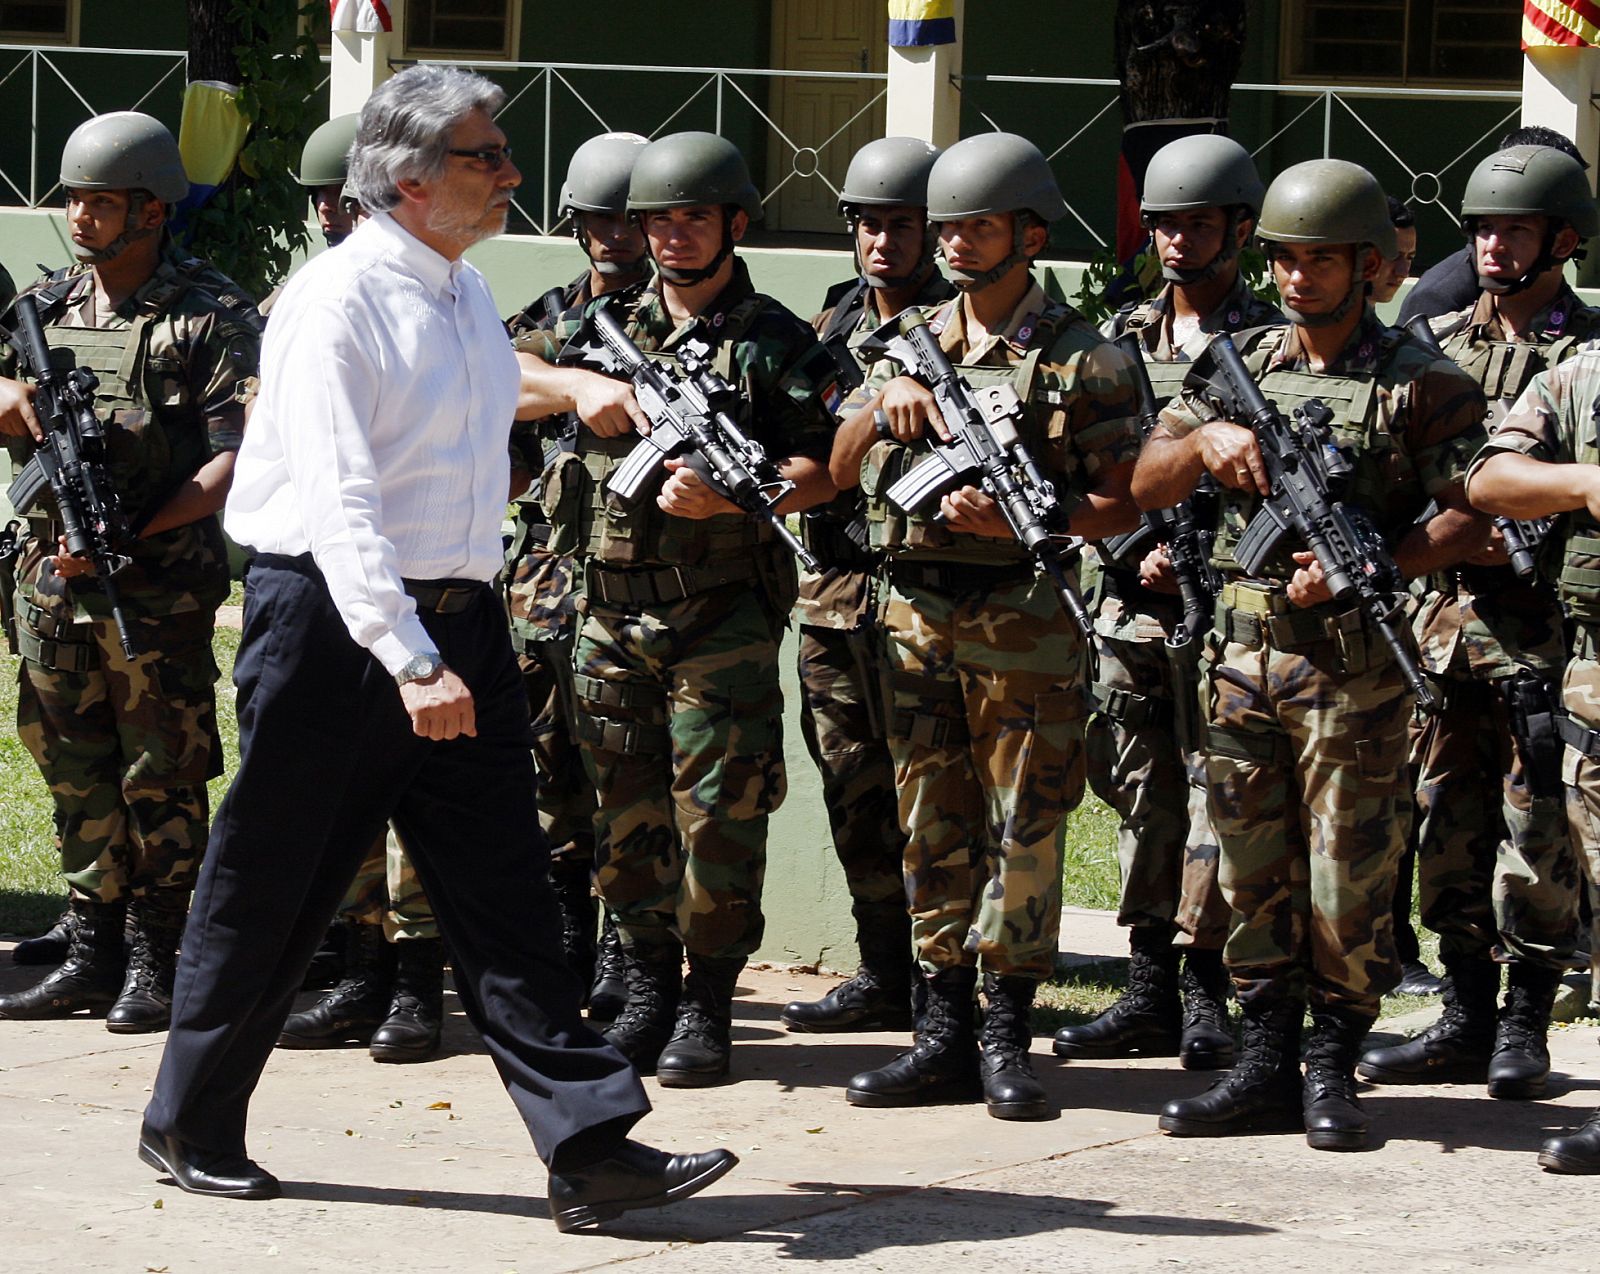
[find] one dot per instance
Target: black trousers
(327, 757)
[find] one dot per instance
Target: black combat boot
(1010, 1088)
(609, 993)
(50, 947)
(157, 927)
(1334, 1119)
(942, 1065)
(327, 962)
(697, 1054)
(91, 975)
(1521, 1061)
(654, 974)
(410, 1033)
(1457, 1046)
(352, 1009)
(1207, 1034)
(1575, 1153)
(878, 998)
(1262, 1091)
(1148, 1020)
(570, 876)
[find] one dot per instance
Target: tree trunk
(1178, 59)
(214, 34)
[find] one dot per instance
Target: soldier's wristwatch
(419, 667)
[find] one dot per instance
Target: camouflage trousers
(387, 892)
(681, 727)
(1306, 756)
(842, 720)
(1580, 774)
(125, 746)
(1138, 765)
(987, 738)
(1496, 870)
(566, 796)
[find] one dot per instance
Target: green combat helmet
(124, 150)
(686, 170)
(891, 172)
(325, 158)
(597, 181)
(1531, 181)
(993, 173)
(1205, 170)
(1328, 201)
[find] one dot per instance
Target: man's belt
(1250, 614)
(654, 586)
(959, 577)
(1577, 735)
(445, 596)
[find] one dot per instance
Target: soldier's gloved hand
(607, 406)
(686, 494)
(1231, 454)
(17, 417)
(1308, 588)
(1156, 573)
(910, 406)
(969, 509)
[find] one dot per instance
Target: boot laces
(1202, 1005)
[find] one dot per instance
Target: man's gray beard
(466, 230)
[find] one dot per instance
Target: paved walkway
(420, 1168)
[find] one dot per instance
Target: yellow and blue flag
(917, 23)
(210, 137)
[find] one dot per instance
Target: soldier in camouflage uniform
(683, 602)
(1201, 196)
(126, 745)
(1543, 460)
(884, 200)
(540, 584)
(1307, 712)
(987, 717)
(1499, 880)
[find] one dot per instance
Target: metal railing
(1329, 124)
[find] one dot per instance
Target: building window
(466, 28)
(38, 21)
(1467, 42)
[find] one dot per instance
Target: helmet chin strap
(969, 282)
(689, 278)
(925, 261)
(1524, 281)
(631, 270)
(1359, 291)
(128, 237)
(333, 238)
(1218, 263)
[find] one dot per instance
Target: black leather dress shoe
(637, 1176)
(206, 1171)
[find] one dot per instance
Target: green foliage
(254, 223)
(1104, 269)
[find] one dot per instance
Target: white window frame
(9, 35)
(507, 53)
(1291, 41)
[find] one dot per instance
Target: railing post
(1558, 87)
(923, 98)
(33, 138)
(360, 62)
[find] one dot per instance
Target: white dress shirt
(378, 442)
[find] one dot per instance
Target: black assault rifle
(1308, 472)
(691, 416)
(71, 465)
(1522, 538)
(1188, 547)
(984, 450)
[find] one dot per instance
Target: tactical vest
(1383, 481)
(1165, 378)
(591, 522)
(1504, 368)
(1579, 581)
(894, 531)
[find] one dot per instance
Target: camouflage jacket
(1412, 422)
(1080, 418)
(177, 360)
(1483, 621)
(840, 596)
(1152, 319)
(786, 382)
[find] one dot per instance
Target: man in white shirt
(376, 679)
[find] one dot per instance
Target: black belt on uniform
(445, 596)
(960, 577)
(1577, 735)
(654, 586)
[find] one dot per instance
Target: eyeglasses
(494, 157)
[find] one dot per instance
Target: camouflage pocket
(561, 494)
(731, 743)
(1368, 799)
(1057, 757)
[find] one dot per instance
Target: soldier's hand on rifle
(1232, 456)
(968, 509)
(67, 566)
(1308, 588)
(607, 406)
(1493, 553)
(686, 494)
(17, 417)
(1156, 573)
(910, 405)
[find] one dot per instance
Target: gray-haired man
(377, 683)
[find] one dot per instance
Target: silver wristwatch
(419, 667)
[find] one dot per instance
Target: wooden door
(821, 35)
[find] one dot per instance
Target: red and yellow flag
(1547, 23)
